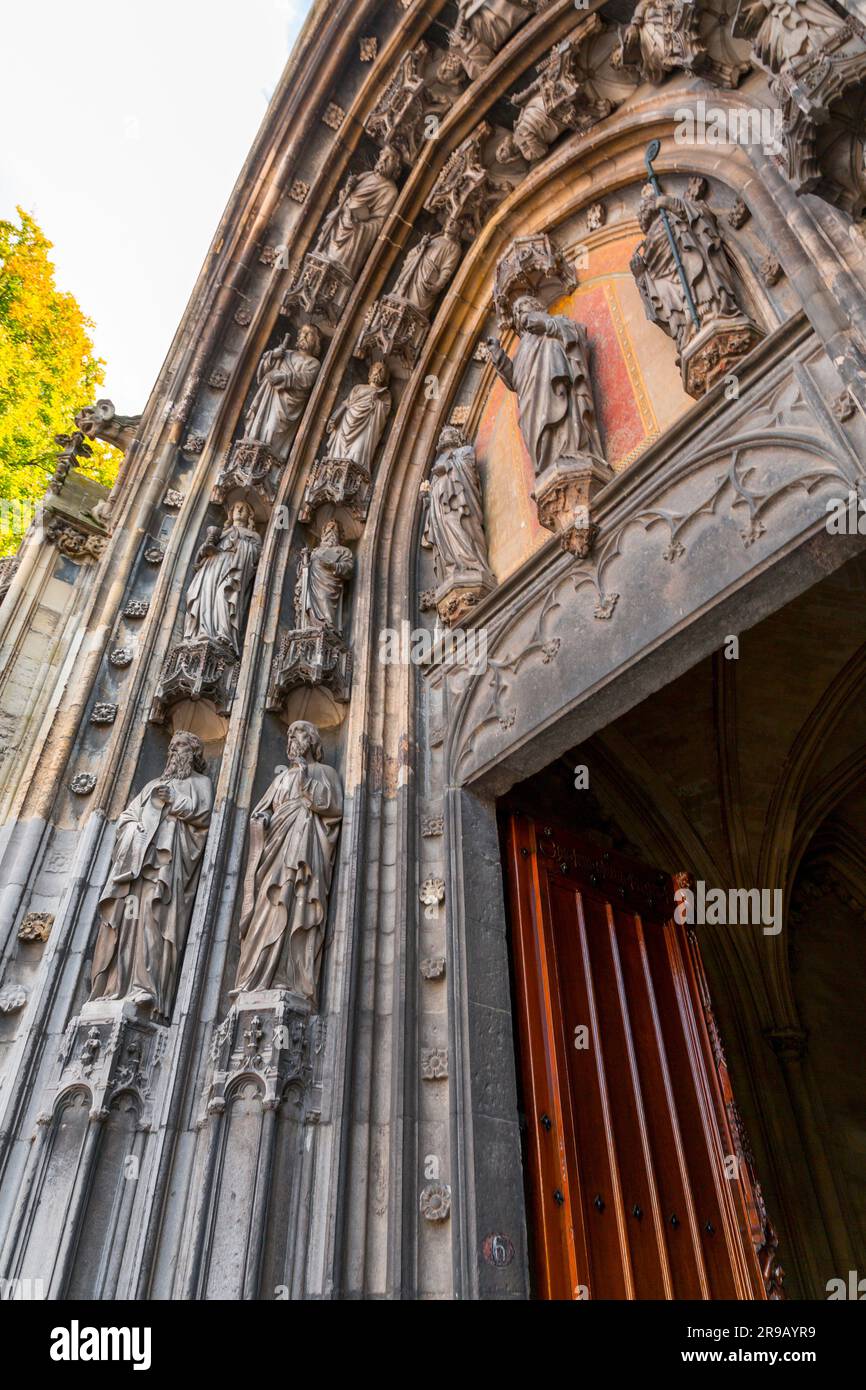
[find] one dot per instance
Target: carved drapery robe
(147, 901)
(219, 595)
(361, 420)
(454, 525)
(288, 879)
(783, 30)
(483, 26)
(706, 265)
(320, 586)
(285, 380)
(427, 270)
(550, 374)
(351, 229)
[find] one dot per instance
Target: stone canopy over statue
(784, 30)
(146, 904)
(285, 378)
(702, 287)
(293, 840)
(454, 528)
(218, 597)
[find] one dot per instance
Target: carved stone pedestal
(315, 657)
(320, 290)
(715, 351)
(456, 599)
(252, 472)
(564, 495)
(268, 1035)
(342, 488)
(395, 330)
(110, 1048)
(199, 670)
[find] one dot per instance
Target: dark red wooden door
(640, 1180)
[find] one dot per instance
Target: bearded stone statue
(293, 840)
(219, 595)
(146, 904)
(322, 575)
(285, 378)
(351, 228)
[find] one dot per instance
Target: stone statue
(293, 839)
(550, 374)
(556, 101)
(322, 576)
(356, 426)
(705, 261)
(218, 597)
(454, 524)
(429, 266)
(146, 903)
(783, 30)
(285, 378)
(661, 37)
(482, 27)
(351, 228)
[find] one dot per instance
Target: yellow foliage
(47, 372)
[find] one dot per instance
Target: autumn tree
(47, 372)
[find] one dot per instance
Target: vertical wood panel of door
(629, 1112)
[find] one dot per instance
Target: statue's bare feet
(143, 999)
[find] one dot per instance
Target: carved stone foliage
(454, 528)
(294, 831)
(159, 839)
(313, 653)
(434, 1063)
(559, 99)
(817, 63)
(74, 540)
(345, 240)
(550, 375)
(103, 713)
(284, 379)
(82, 783)
(12, 998)
(36, 926)
(340, 480)
(688, 285)
(435, 1201)
(101, 421)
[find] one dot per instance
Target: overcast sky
(124, 126)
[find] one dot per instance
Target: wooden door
(641, 1183)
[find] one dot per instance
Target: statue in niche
(705, 260)
(146, 903)
(356, 426)
(661, 37)
(285, 378)
(555, 102)
(322, 576)
(454, 524)
(351, 228)
(482, 27)
(783, 30)
(429, 266)
(550, 374)
(293, 840)
(218, 597)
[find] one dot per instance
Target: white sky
(124, 126)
